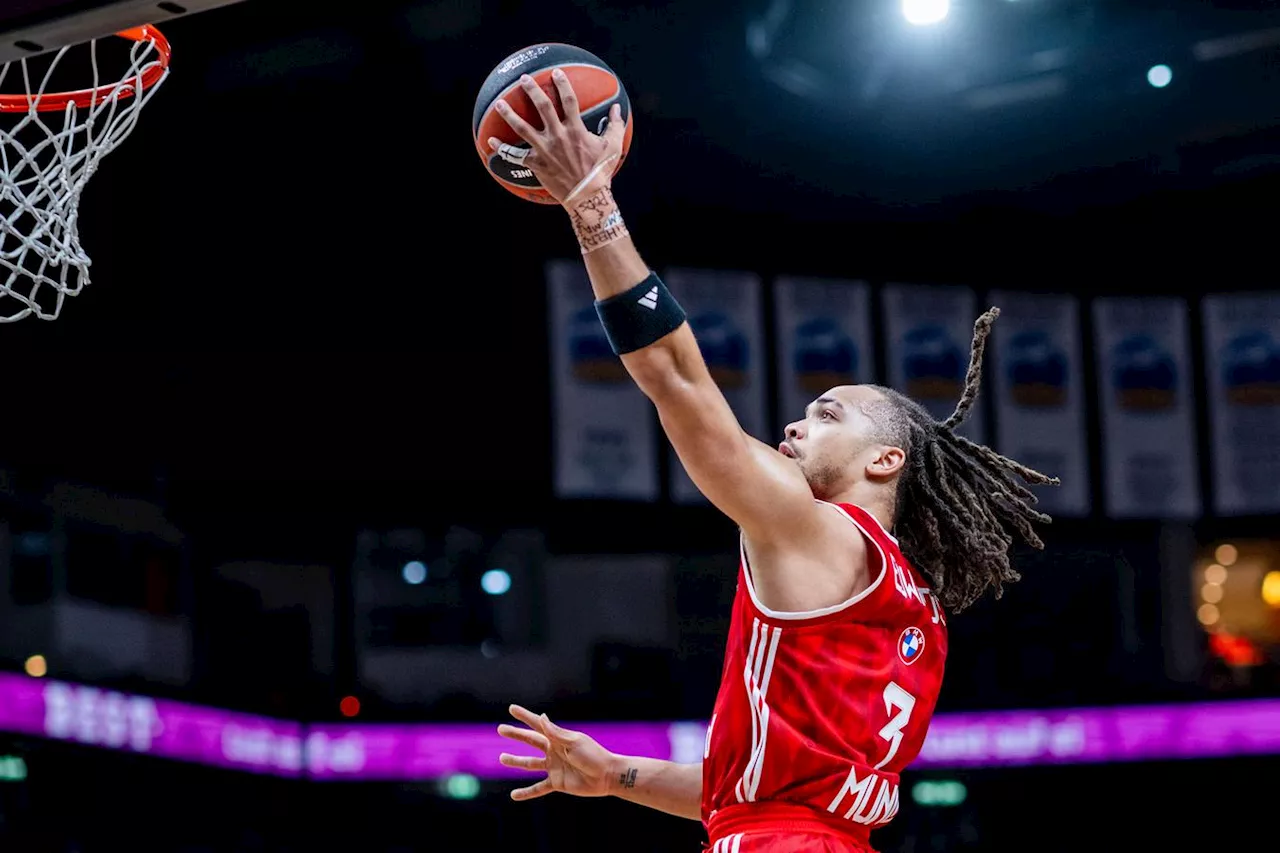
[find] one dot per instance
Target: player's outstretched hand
(574, 763)
(565, 154)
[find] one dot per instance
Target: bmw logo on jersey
(910, 645)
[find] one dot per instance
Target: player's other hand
(574, 763)
(565, 152)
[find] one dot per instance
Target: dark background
(312, 313)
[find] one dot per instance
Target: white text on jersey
(938, 615)
(873, 799)
(903, 582)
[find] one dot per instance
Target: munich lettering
(871, 800)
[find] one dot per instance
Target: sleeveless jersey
(818, 712)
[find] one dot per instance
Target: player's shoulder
(865, 520)
(907, 592)
(872, 537)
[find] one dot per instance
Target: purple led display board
(432, 751)
(104, 718)
(91, 716)
(1092, 735)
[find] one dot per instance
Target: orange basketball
(597, 87)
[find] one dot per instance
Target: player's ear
(887, 463)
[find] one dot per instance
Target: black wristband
(641, 316)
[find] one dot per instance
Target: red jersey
(819, 712)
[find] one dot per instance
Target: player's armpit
(759, 488)
(826, 570)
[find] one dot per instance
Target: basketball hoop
(46, 163)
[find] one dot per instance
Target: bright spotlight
(414, 572)
(1271, 589)
(925, 12)
(1159, 76)
(495, 582)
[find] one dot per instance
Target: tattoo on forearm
(628, 778)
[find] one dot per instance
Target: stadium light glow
(414, 572)
(922, 13)
(1271, 589)
(12, 768)
(942, 792)
(495, 582)
(461, 786)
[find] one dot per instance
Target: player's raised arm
(750, 482)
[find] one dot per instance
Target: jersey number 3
(900, 701)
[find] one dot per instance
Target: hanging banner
(724, 313)
(929, 330)
(1144, 382)
(1037, 380)
(823, 340)
(1242, 355)
(604, 427)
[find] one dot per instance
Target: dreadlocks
(958, 503)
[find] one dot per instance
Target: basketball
(597, 87)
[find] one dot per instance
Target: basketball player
(859, 532)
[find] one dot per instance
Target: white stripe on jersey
(756, 675)
(728, 844)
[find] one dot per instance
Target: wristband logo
(591, 358)
(824, 356)
(1037, 370)
(933, 365)
(724, 348)
(1144, 375)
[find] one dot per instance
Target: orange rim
(57, 101)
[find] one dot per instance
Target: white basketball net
(45, 161)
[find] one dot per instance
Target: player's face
(836, 444)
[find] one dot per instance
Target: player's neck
(871, 497)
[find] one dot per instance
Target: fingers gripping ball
(594, 83)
